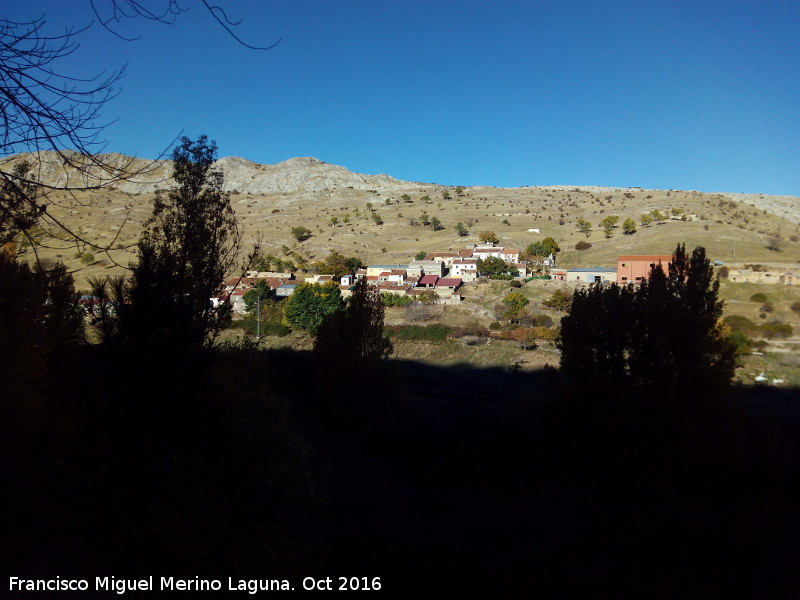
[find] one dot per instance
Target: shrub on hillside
(759, 297)
(396, 300)
(582, 245)
(560, 300)
(775, 330)
(738, 323)
(743, 343)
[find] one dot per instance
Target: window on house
(624, 279)
(623, 264)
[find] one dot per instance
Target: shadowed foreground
(243, 463)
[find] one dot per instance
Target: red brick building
(635, 268)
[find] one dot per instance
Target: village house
(445, 289)
(319, 279)
(592, 274)
(286, 289)
(465, 268)
(268, 275)
(428, 281)
(484, 251)
(771, 277)
(427, 267)
(635, 268)
(375, 270)
(445, 258)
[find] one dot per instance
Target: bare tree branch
(50, 120)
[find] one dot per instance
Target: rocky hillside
(304, 174)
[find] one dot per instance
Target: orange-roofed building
(635, 268)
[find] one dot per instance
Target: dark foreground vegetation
(633, 471)
(238, 462)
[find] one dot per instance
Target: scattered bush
(795, 307)
(516, 284)
(743, 343)
(301, 233)
(560, 301)
(473, 329)
(775, 330)
(396, 300)
(759, 297)
(583, 245)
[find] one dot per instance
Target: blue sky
(698, 95)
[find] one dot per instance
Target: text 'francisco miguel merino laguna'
(120, 586)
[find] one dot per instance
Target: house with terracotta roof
(635, 268)
(446, 258)
(446, 288)
(484, 251)
(428, 281)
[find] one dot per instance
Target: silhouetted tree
(355, 335)
(664, 336)
(188, 245)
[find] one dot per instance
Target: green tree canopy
(608, 224)
(583, 226)
(338, 265)
(300, 233)
(488, 237)
(543, 247)
(461, 229)
(495, 266)
(629, 226)
(311, 303)
(261, 291)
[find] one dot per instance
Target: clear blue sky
(701, 94)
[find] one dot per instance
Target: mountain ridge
(302, 174)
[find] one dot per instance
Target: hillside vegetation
(339, 208)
